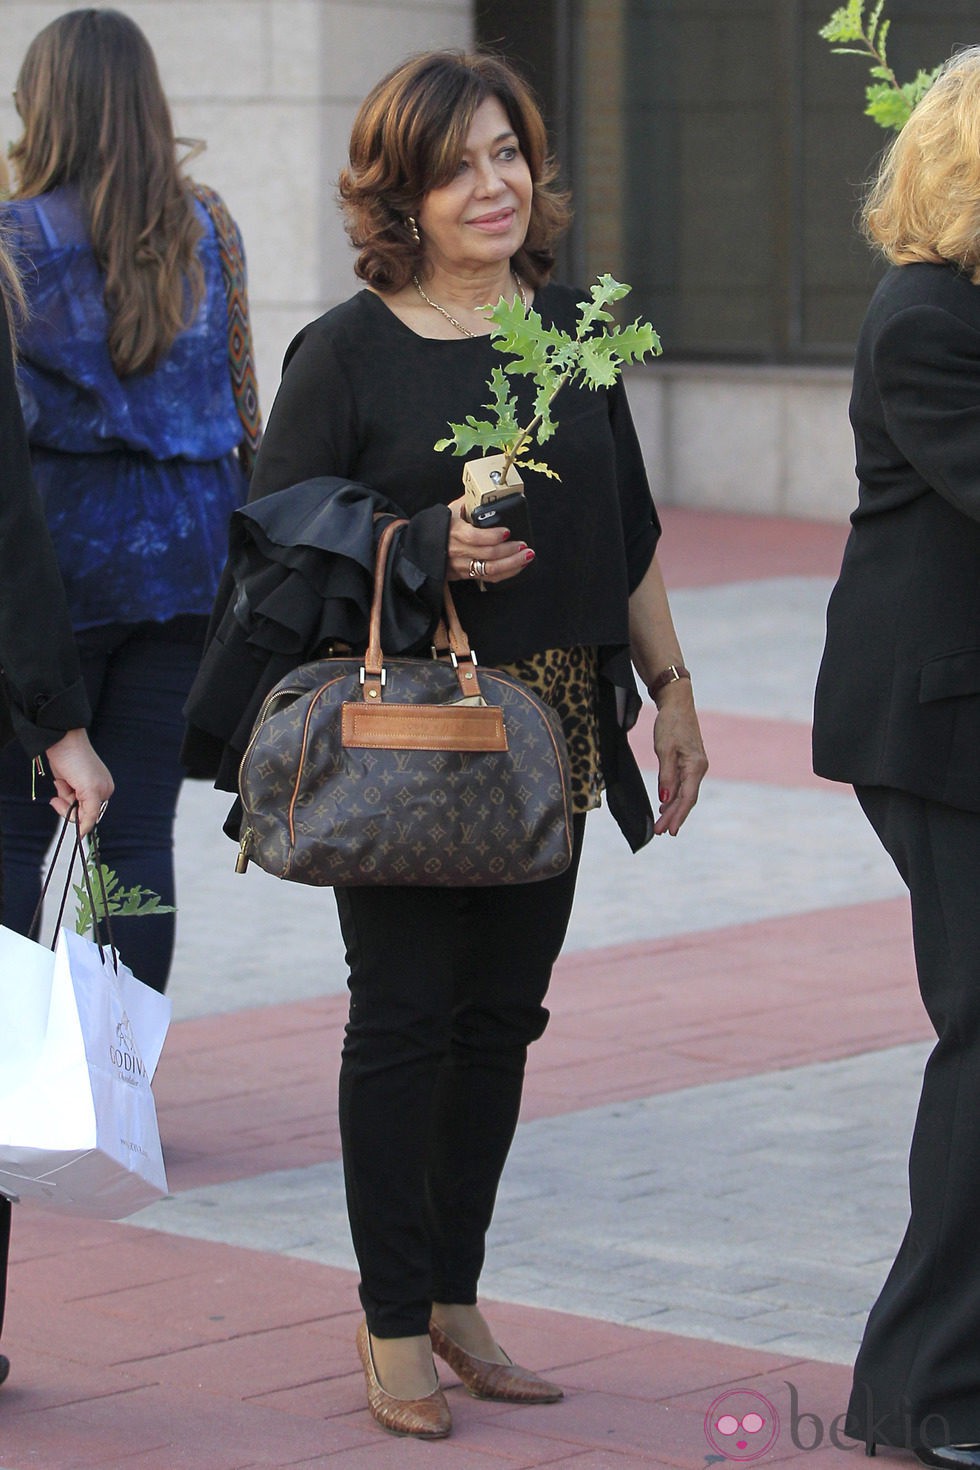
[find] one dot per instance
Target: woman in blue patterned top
(133, 426)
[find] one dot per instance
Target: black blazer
(41, 690)
(898, 693)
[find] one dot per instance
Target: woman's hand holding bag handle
(406, 771)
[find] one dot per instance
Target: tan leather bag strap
(451, 630)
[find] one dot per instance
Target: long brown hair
(11, 291)
(95, 115)
(409, 137)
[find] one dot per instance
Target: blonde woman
(133, 427)
(897, 715)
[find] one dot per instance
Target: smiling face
(480, 218)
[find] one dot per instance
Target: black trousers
(446, 990)
(917, 1375)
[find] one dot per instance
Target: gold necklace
(459, 325)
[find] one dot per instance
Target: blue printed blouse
(137, 474)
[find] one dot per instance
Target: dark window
(718, 153)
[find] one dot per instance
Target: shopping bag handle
(78, 852)
(35, 924)
(104, 920)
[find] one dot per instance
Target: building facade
(716, 150)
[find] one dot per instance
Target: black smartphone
(510, 511)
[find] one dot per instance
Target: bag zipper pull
(241, 862)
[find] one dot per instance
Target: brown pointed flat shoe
(427, 1418)
(507, 1382)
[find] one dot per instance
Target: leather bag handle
(450, 630)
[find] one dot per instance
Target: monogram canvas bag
(407, 771)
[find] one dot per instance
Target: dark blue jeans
(138, 676)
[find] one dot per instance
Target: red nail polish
(529, 555)
(664, 794)
(506, 535)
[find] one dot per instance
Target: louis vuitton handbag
(408, 771)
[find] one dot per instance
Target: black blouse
(365, 398)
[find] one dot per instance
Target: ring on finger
(479, 569)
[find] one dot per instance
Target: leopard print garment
(567, 680)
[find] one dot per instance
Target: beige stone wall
(761, 440)
(272, 85)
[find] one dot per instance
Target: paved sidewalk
(707, 1185)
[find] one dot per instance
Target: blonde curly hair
(924, 204)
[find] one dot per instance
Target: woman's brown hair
(409, 137)
(11, 291)
(95, 116)
(925, 203)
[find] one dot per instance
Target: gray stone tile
(759, 1231)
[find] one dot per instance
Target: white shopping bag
(79, 1043)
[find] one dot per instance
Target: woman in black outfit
(42, 698)
(448, 200)
(897, 714)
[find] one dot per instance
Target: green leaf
(634, 342)
(882, 39)
(475, 434)
(509, 316)
(503, 404)
(888, 107)
(609, 289)
(846, 23)
(873, 20)
(541, 415)
(111, 898)
(600, 366)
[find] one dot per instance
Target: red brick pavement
(137, 1349)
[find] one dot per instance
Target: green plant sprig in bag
(113, 899)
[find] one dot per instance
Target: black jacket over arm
(898, 694)
(41, 691)
(300, 576)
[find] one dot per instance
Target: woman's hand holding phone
(487, 553)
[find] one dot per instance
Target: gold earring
(413, 228)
